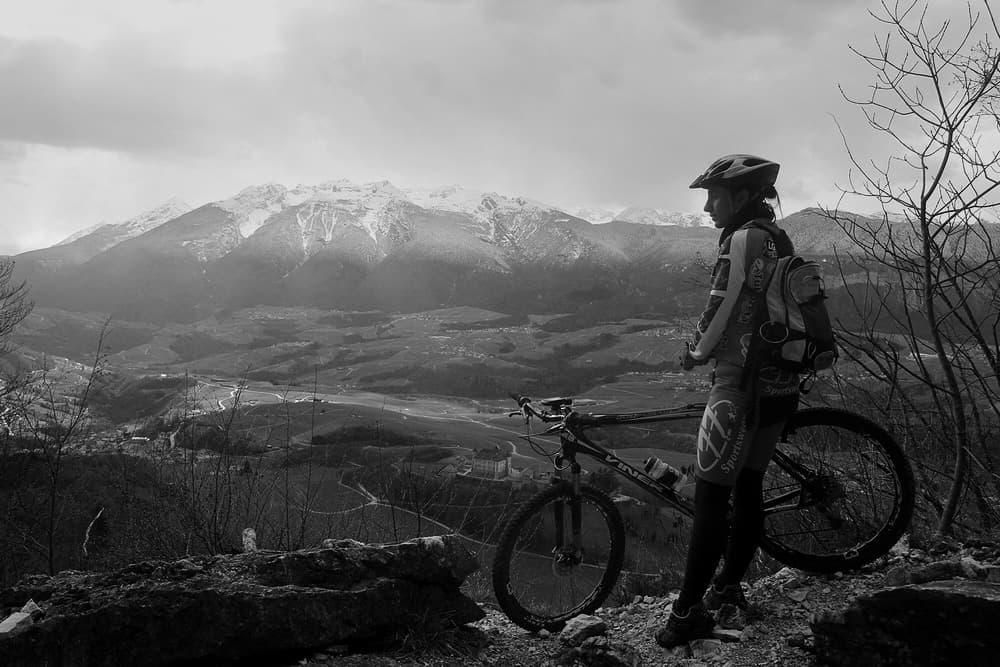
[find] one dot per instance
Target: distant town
(488, 464)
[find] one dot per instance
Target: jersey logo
(770, 249)
(714, 432)
(745, 344)
(755, 276)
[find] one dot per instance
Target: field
(325, 397)
(458, 352)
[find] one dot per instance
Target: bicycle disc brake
(824, 493)
(565, 560)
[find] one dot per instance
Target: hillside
(362, 247)
(780, 631)
(447, 302)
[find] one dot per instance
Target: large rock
(235, 606)
(939, 623)
(967, 567)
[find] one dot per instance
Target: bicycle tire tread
(501, 563)
(899, 520)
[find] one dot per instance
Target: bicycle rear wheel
(539, 578)
(838, 493)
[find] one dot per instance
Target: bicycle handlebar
(571, 418)
(526, 409)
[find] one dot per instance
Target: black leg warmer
(748, 522)
(708, 539)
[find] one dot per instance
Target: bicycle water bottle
(663, 472)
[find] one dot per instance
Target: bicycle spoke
(809, 531)
(547, 574)
(849, 492)
(779, 501)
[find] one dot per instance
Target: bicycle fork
(567, 553)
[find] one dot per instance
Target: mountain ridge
(88, 243)
(343, 245)
(253, 205)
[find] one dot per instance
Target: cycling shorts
(730, 437)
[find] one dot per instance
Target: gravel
(776, 632)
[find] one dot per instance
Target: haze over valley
(342, 288)
(346, 338)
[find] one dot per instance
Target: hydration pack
(792, 330)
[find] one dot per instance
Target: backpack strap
(752, 361)
(781, 240)
(784, 247)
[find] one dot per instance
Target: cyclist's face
(722, 204)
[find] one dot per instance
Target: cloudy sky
(111, 107)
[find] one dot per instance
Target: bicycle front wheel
(838, 494)
(542, 577)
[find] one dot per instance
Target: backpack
(792, 330)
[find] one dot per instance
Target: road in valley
(221, 394)
(475, 424)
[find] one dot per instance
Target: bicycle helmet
(738, 169)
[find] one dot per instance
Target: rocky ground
(777, 633)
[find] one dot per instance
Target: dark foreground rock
(235, 607)
(938, 623)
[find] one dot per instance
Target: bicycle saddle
(557, 403)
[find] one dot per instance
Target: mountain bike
(838, 494)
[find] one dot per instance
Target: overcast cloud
(112, 107)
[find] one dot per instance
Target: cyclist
(747, 404)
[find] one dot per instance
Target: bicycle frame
(573, 441)
(560, 554)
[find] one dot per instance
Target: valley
(293, 374)
(342, 367)
(360, 424)
(470, 355)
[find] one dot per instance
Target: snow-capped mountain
(140, 224)
(345, 245)
(80, 234)
(311, 219)
(254, 205)
(656, 216)
(481, 204)
(592, 215)
(376, 208)
(88, 243)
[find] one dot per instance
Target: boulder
(950, 622)
(584, 641)
(597, 651)
(580, 628)
(232, 607)
(966, 567)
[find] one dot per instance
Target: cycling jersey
(746, 260)
(742, 420)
